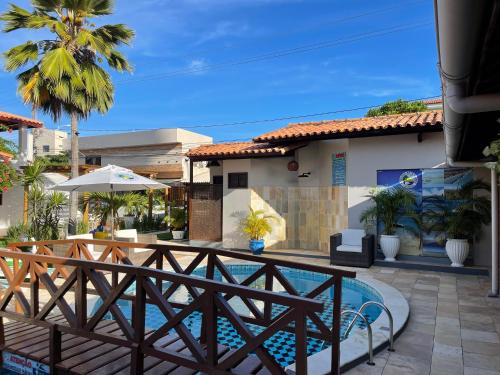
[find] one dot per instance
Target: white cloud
(198, 66)
(222, 30)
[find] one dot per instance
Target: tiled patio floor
(453, 328)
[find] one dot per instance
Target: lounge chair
(352, 247)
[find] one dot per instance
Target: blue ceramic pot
(257, 246)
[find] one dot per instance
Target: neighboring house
(160, 153)
(47, 142)
(12, 202)
(314, 177)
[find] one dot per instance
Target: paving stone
(470, 334)
(476, 371)
(480, 347)
(481, 361)
(404, 365)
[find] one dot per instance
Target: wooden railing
(78, 270)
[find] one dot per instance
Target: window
(1, 199)
(218, 180)
(93, 160)
(46, 148)
(238, 180)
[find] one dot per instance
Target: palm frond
(21, 55)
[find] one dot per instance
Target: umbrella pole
(112, 215)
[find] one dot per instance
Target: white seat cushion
(353, 237)
(350, 248)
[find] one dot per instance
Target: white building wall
(367, 155)
(56, 140)
(11, 210)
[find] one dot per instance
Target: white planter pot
(390, 247)
(457, 251)
(178, 234)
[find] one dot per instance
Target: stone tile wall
(306, 216)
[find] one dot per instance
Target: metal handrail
(389, 315)
(368, 328)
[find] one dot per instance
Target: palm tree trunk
(73, 207)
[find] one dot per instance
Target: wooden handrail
(210, 297)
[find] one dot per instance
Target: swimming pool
(282, 344)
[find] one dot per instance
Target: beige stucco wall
(309, 210)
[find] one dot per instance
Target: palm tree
(32, 177)
(390, 206)
(461, 215)
(64, 74)
(108, 204)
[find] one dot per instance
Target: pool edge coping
(354, 349)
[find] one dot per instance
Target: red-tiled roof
(340, 128)
(239, 149)
(5, 156)
(13, 121)
(433, 101)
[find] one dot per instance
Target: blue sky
(178, 41)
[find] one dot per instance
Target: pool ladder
(359, 314)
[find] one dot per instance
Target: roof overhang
(252, 151)
(360, 134)
(14, 122)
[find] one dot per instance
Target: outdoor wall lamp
(305, 175)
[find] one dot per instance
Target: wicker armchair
(352, 247)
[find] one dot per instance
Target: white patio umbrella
(109, 179)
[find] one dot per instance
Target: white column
(494, 233)
(23, 145)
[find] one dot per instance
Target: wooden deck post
(137, 364)
(55, 349)
(301, 343)
(337, 303)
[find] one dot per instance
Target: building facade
(315, 178)
(161, 153)
(47, 142)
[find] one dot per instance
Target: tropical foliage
(45, 211)
(8, 175)
(390, 206)
(462, 217)
(177, 218)
(63, 73)
(396, 107)
(104, 204)
(257, 224)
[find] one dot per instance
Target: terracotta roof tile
(337, 128)
(240, 149)
(433, 101)
(13, 121)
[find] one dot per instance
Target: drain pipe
(457, 100)
(494, 233)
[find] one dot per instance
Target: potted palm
(256, 225)
(177, 221)
(390, 206)
(461, 215)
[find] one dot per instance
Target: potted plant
(177, 221)
(461, 215)
(390, 206)
(256, 225)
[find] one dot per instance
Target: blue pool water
(282, 344)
